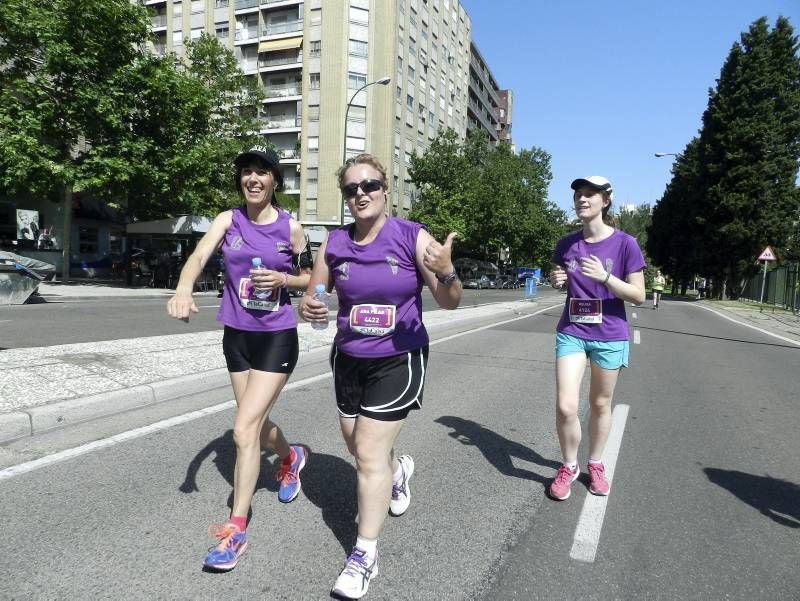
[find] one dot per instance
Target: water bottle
(321, 295)
(261, 293)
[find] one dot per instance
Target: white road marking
(30, 466)
(747, 325)
(633, 314)
(637, 336)
(590, 522)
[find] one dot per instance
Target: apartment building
(484, 103)
(341, 77)
(504, 111)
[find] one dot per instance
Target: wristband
(285, 281)
(608, 275)
(447, 278)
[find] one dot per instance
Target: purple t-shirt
(241, 308)
(379, 290)
(620, 254)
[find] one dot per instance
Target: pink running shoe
(598, 485)
(560, 488)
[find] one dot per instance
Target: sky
(602, 86)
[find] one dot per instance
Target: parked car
(490, 281)
(479, 282)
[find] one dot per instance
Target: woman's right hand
(311, 309)
(181, 305)
(558, 277)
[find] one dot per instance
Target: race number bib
(585, 310)
(373, 320)
(250, 300)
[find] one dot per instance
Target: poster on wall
(27, 224)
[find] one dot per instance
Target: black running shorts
(384, 388)
(265, 351)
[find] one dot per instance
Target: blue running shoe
(232, 545)
(289, 474)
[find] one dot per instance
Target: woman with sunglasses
(378, 265)
(260, 338)
(602, 269)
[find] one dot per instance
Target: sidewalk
(51, 387)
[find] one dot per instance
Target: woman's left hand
(592, 268)
(437, 256)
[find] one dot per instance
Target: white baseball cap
(595, 181)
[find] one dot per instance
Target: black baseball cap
(266, 155)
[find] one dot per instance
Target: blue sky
(601, 86)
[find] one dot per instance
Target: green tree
(496, 200)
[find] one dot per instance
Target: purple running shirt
(240, 307)
(379, 290)
(620, 254)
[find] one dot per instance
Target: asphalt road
(704, 502)
(51, 321)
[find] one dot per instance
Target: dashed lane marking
(590, 522)
(637, 336)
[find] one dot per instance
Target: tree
(496, 200)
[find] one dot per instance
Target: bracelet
(285, 281)
(447, 278)
(608, 275)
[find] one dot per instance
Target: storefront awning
(284, 44)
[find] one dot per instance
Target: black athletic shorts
(384, 388)
(265, 351)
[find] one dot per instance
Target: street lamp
(667, 154)
(384, 81)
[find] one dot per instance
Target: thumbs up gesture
(437, 256)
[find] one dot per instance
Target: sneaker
(289, 474)
(598, 485)
(560, 488)
(232, 544)
(353, 580)
(401, 493)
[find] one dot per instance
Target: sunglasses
(367, 186)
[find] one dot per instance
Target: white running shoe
(353, 580)
(401, 493)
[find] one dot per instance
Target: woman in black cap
(263, 247)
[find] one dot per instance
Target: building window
(87, 240)
(311, 175)
(411, 74)
(358, 48)
(313, 81)
(313, 144)
(222, 33)
(314, 48)
(313, 112)
(355, 80)
(221, 3)
(197, 6)
(359, 15)
(400, 64)
(410, 101)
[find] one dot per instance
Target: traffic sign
(767, 255)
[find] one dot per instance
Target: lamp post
(384, 81)
(667, 154)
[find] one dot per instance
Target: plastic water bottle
(261, 293)
(321, 295)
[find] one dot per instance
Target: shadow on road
(777, 499)
(497, 449)
(328, 482)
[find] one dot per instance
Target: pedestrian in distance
(602, 268)
(659, 281)
(378, 265)
(260, 336)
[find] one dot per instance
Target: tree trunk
(67, 237)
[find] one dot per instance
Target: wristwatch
(447, 278)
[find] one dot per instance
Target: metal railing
(780, 287)
(287, 27)
(274, 61)
(241, 4)
(280, 92)
(158, 20)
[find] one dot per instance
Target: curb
(36, 420)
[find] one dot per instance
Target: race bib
(373, 320)
(248, 298)
(585, 310)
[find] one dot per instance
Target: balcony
(283, 124)
(282, 91)
(280, 60)
(243, 4)
(157, 21)
(283, 28)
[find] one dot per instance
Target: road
(52, 321)
(704, 501)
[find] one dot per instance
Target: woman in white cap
(602, 269)
(263, 247)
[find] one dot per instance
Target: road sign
(767, 255)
